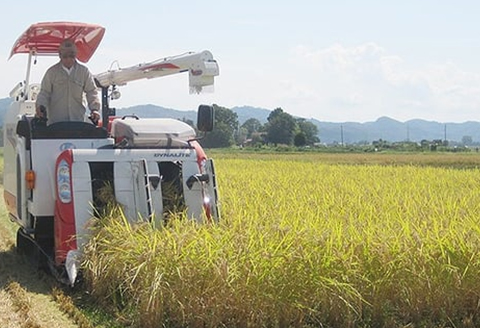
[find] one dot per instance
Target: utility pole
(341, 134)
(445, 133)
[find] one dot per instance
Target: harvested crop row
(22, 304)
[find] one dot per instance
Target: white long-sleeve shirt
(62, 94)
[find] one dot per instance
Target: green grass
(305, 242)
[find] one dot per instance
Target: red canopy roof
(45, 38)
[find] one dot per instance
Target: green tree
(299, 140)
(226, 123)
(309, 131)
(280, 127)
(251, 125)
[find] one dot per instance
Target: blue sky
(334, 61)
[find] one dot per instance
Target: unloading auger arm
(201, 67)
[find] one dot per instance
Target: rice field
(306, 240)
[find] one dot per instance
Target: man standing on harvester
(61, 96)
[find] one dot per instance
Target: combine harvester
(54, 174)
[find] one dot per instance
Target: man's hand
(41, 111)
(40, 119)
(94, 116)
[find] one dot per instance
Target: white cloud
(365, 82)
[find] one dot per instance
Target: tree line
(280, 128)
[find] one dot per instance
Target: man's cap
(67, 47)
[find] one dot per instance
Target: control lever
(40, 122)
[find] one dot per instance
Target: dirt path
(26, 299)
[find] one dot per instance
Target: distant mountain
(383, 128)
(393, 131)
(246, 112)
(4, 103)
(153, 111)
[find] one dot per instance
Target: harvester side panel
(128, 189)
(82, 194)
(147, 191)
(194, 195)
(22, 164)
(155, 191)
(212, 190)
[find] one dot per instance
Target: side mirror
(205, 118)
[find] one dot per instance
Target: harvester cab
(56, 176)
